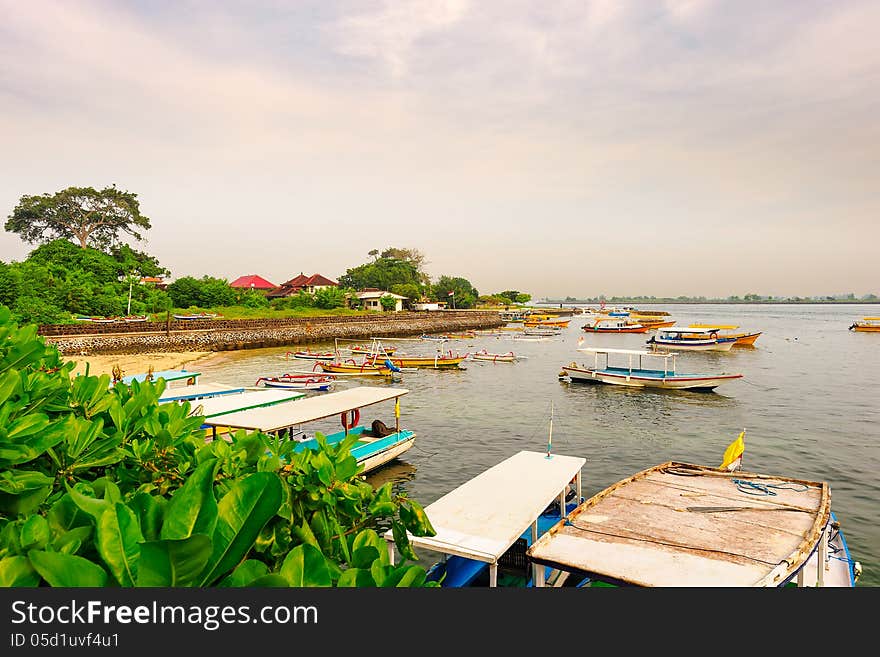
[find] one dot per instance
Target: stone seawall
(225, 335)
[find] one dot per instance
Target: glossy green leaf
(401, 540)
(35, 533)
(150, 514)
(67, 570)
(305, 565)
(193, 508)
(243, 512)
(17, 571)
(91, 505)
(118, 541)
(356, 577)
(246, 572)
(173, 562)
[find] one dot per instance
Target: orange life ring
(355, 418)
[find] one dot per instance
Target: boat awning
(277, 417)
(632, 352)
(245, 401)
(679, 524)
(483, 517)
(726, 327)
(168, 375)
(682, 329)
(197, 391)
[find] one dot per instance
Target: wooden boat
(437, 361)
(449, 336)
(368, 349)
(171, 377)
(197, 391)
(741, 339)
(542, 330)
(546, 320)
(614, 325)
(484, 526)
(374, 446)
(135, 318)
(636, 375)
(866, 324)
(248, 399)
(652, 322)
(671, 338)
(483, 354)
(312, 355)
(350, 366)
(298, 381)
(98, 320)
(684, 525)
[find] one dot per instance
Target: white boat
(172, 377)
(248, 399)
(685, 525)
(672, 337)
(298, 381)
(483, 354)
(197, 391)
(636, 375)
(376, 444)
(484, 526)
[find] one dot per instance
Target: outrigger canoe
(635, 375)
(438, 361)
(365, 368)
(741, 339)
(298, 381)
(509, 357)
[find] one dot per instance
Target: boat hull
(364, 370)
(691, 345)
(651, 379)
(370, 452)
(629, 329)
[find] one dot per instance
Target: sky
(566, 148)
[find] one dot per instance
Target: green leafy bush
(105, 486)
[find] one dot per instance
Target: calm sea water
(808, 402)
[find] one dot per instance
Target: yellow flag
(733, 454)
(397, 408)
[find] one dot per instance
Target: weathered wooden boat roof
(215, 406)
(688, 329)
(282, 416)
(198, 390)
(483, 517)
(679, 524)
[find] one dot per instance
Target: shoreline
(139, 363)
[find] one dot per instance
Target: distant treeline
(869, 298)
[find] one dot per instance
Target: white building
(370, 298)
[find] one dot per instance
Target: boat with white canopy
(376, 444)
(690, 339)
(198, 391)
(636, 374)
(485, 525)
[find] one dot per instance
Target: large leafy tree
(383, 274)
(465, 294)
(85, 215)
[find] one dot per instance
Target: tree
(374, 254)
(388, 303)
(83, 214)
(465, 294)
(382, 274)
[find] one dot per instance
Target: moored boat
(298, 381)
(437, 361)
(364, 368)
(484, 354)
(680, 524)
(741, 338)
(191, 316)
(635, 375)
(867, 324)
(311, 355)
(614, 325)
(705, 339)
(373, 445)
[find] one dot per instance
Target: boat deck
(679, 524)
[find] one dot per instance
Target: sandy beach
(139, 363)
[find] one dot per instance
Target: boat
(364, 368)
(635, 375)
(248, 399)
(484, 354)
(484, 526)
(97, 320)
(671, 338)
(197, 391)
(614, 325)
(376, 444)
(542, 330)
(196, 316)
(312, 355)
(367, 349)
(513, 315)
(135, 318)
(866, 324)
(298, 381)
(741, 339)
(171, 377)
(437, 361)
(680, 524)
(449, 336)
(546, 320)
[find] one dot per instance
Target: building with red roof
(302, 283)
(252, 282)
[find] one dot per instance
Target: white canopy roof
(483, 517)
(246, 400)
(281, 416)
(197, 390)
(687, 329)
(168, 375)
(633, 352)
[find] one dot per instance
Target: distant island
(748, 298)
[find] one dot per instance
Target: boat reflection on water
(397, 472)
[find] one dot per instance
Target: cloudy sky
(685, 147)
